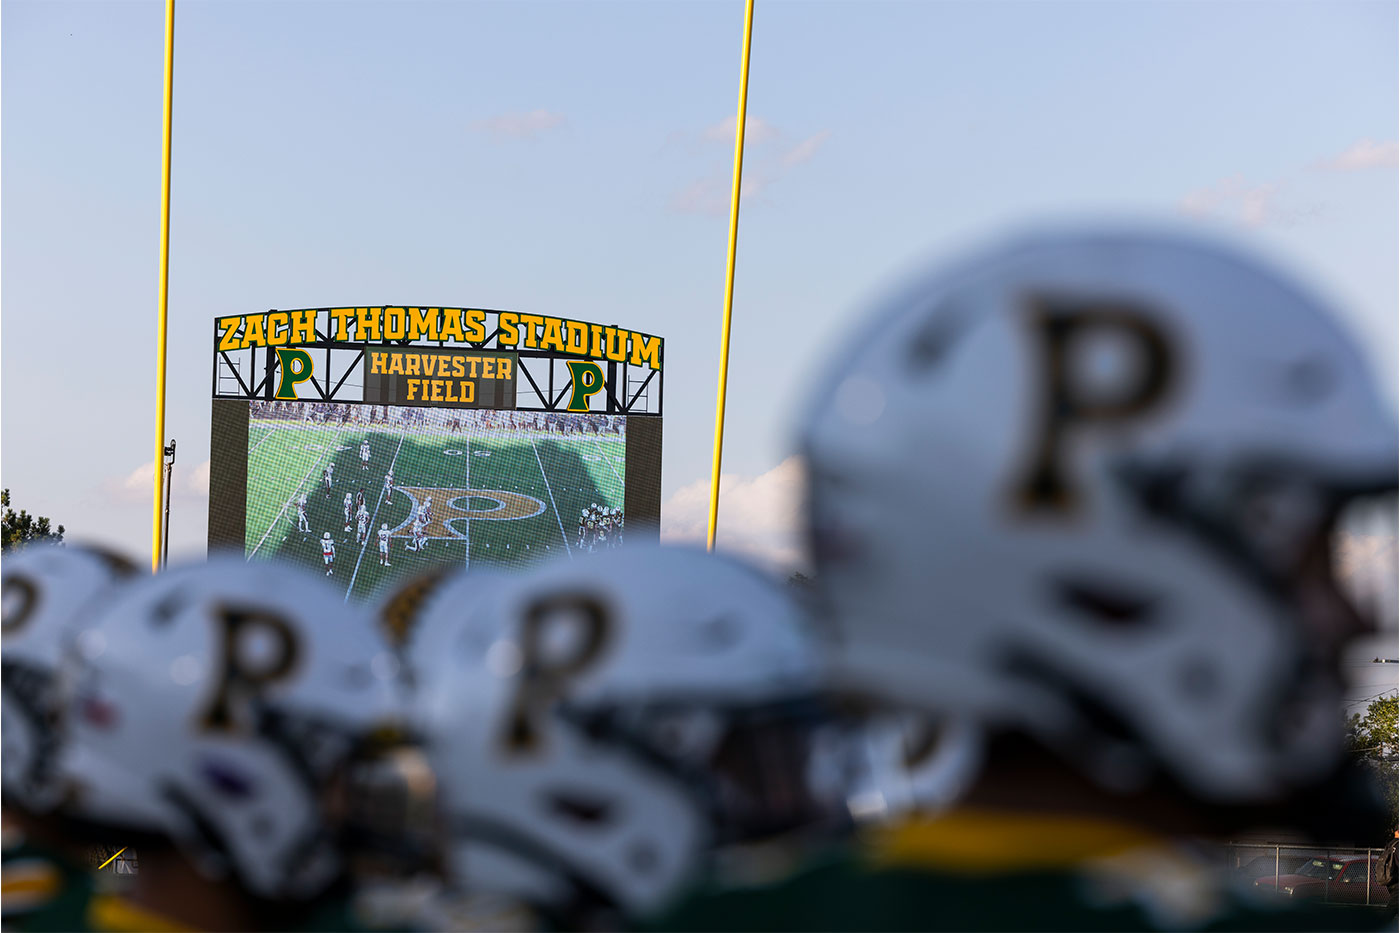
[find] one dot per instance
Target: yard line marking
(296, 491)
(466, 524)
(372, 530)
(567, 550)
(607, 458)
(260, 441)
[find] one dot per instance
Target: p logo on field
(588, 381)
(296, 368)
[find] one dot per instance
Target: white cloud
(1276, 203)
(1364, 154)
(139, 484)
(804, 150)
(756, 131)
(522, 125)
(767, 159)
(1250, 204)
(197, 483)
(1365, 565)
(760, 517)
(710, 195)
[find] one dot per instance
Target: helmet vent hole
(165, 611)
(642, 857)
(1308, 380)
(931, 343)
(720, 632)
(1199, 679)
(589, 811)
(1110, 605)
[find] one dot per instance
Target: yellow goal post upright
(729, 276)
(163, 294)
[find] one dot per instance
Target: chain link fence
(1330, 875)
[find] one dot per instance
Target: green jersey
(40, 889)
(1001, 871)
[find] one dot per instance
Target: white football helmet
(47, 590)
(231, 707)
(597, 725)
(1083, 486)
(434, 601)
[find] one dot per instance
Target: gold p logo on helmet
(246, 668)
(1061, 332)
(544, 673)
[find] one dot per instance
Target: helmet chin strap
(26, 688)
(1101, 741)
(483, 829)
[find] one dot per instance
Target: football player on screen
(328, 474)
(364, 454)
(302, 524)
(348, 506)
(328, 553)
(384, 544)
(362, 526)
(389, 486)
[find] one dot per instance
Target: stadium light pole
(729, 276)
(169, 470)
(163, 300)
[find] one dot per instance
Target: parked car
(1334, 880)
(1270, 865)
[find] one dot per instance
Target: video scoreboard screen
(374, 460)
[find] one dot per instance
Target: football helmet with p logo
(48, 591)
(597, 725)
(1086, 485)
(227, 706)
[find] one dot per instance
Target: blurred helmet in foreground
(235, 708)
(598, 725)
(1085, 486)
(47, 589)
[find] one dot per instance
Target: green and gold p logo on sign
(588, 381)
(296, 367)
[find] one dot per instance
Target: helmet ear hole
(1108, 604)
(932, 342)
(579, 808)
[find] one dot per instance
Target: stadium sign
(459, 325)
(375, 443)
(447, 378)
(454, 357)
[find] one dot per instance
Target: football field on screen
(498, 497)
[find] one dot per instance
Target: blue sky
(572, 159)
